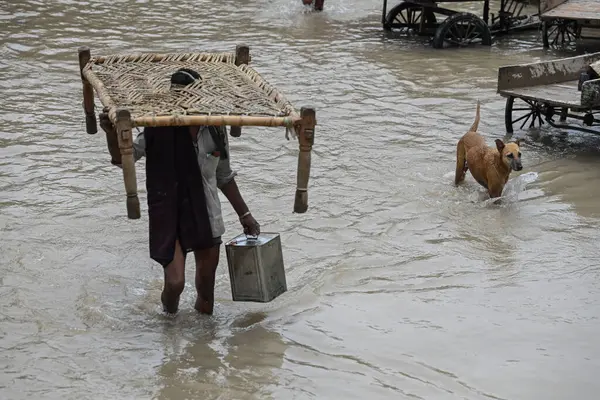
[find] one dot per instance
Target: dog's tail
(476, 123)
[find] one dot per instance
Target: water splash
(515, 190)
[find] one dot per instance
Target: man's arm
(232, 192)
(139, 146)
(139, 143)
(226, 182)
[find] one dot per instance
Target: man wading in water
(185, 167)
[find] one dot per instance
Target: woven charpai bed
(136, 91)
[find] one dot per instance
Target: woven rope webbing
(141, 83)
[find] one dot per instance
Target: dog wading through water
(489, 166)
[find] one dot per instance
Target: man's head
(184, 77)
(510, 154)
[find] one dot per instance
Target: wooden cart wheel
(460, 30)
(524, 113)
(406, 17)
(560, 32)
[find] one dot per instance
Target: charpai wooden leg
(125, 138)
(305, 140)
(112, 140)
(242, 56)
(88, 93)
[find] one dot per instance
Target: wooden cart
(449, 28)
(135, 92)
(536, 93)
(564, 21)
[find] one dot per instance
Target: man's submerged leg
(206, 268)
(174, 281)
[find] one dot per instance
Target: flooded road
(401, 286)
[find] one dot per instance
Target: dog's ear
(518, 142)
(499, 145)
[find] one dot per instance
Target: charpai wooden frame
(135, 91)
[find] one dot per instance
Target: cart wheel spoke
(475, 37)
(471, 29)
(465, 31)
(454, 32)
(524, 122)
(562, 32)
(409, 16)
(471, 33)
(529, 114)
(532, 123)
(418, 17)
(401, 19)
(462, 29)
(520, 118)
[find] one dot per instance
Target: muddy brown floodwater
(401, 286)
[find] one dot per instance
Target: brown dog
(489, 166)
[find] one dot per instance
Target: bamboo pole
(112, 140)
(155, 57)
(242, 56)
(101, 91)
(125, 138)
(216, 120)
(88, 92)
(306, 141)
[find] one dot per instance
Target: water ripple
(400, 284)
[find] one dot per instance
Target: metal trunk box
(256, 269)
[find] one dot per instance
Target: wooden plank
(564, 94)
(571, 9)
(546, 5)
(590, 94)
(544, 72)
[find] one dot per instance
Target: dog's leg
(495, 192)
(461, 163)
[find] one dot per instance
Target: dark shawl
(176, 199)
